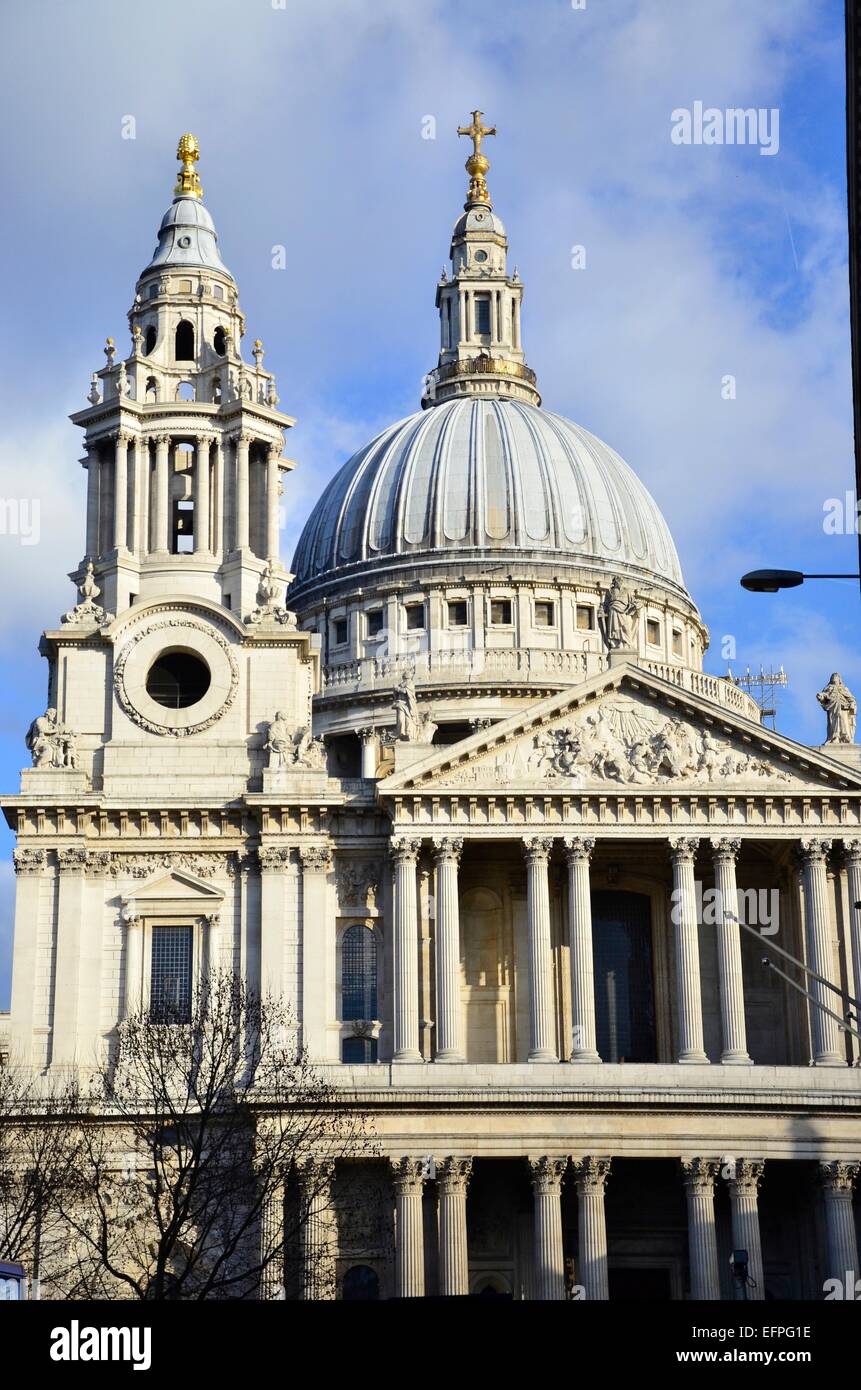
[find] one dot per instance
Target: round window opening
(177, 680)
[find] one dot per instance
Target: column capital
(683, 848)
(591, 1173)
(313, 1168)
(725, 849)
(453, 1174)
(274, 858)
(546, 1174)
(316, 858)
(746, 1176)
(162, 441)
(852, 851)
(814, 851)
(408, 1175)
(537, 848)
(578, 848)
(404, 849)
(447, 848)
(699, 1175)
(28, 861)
(838, 1176)
(242, 439)
(72, 860)
(123, 438)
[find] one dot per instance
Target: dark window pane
(361, 1285)
(375, 622)
(359, 973)
(624, 992)
(500, 610)
(415, 615)
(359, 1050)
(482, 314)
(457, 614)
(170, 976)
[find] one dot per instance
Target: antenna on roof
(762, 686)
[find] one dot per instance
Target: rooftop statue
(840, 708)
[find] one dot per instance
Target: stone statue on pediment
(50, 743)
(411, 726)
(841, 709)
(619, 612)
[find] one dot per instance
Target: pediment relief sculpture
(622, 742)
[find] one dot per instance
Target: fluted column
(683, 851)
(201, 494)
(541, 1027)
(852, 851)
(242, 518)
(837, 1180)
(408, 1177)
(699, 1178)
(584, 1044)
(272, 1242)
(405, 852)
(368, 737)
(317, 1235)
(92, 502)
(140, 456)
(273, 478)
(162, 499)
(275, 864)
(121, 488)
(134, 962)
(452, 1177)
(591, 1176)
(548, 1261)
(217, 500)
(743, 1185)
(733, 1030)
(449, 1011)
(65, 1043)
(826, 1034)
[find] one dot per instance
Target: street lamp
(769, 581)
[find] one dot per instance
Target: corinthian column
(162, 503)
(242, 519)
(549, 1272)
(121, 488)
(578, 852)
(405, 852)
(201, 494)
(744, 1202)
(408, 1175)
(826, 1035)
(852, 851)
(541, 1029)
(134, 961)
(449, 1013)
(699, 1178)
(837, 1181)
(272, 1241)
(92, 502)
(318, 1239)
(734, 1034)
(591, 1177)
(683, 851)
(273, 552)
(452, 1177)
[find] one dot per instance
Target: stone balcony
(541, 668)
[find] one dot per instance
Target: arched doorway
(624, 977)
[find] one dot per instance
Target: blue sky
(701, 262)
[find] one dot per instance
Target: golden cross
(476, 131)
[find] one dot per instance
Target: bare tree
(207, 1156)
(40, 1140)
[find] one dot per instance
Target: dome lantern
(481, 352)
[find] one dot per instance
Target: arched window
(151, 389)
(150, 338)
(184, 343)
(361, 1284)
(358, 973)
(218, 341)
(185, 391)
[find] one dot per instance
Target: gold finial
(478, 164)
(188, 152)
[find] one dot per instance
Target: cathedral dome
(187, 237)
(494, 477)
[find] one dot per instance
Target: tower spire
(478, 164)
(188, 153)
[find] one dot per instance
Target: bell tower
(183, 438)
(481, 353)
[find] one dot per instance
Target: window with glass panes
(170, 975)
(358, 973)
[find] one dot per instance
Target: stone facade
(531, 948)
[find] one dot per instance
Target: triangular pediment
(176, 891)
(626, 730)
